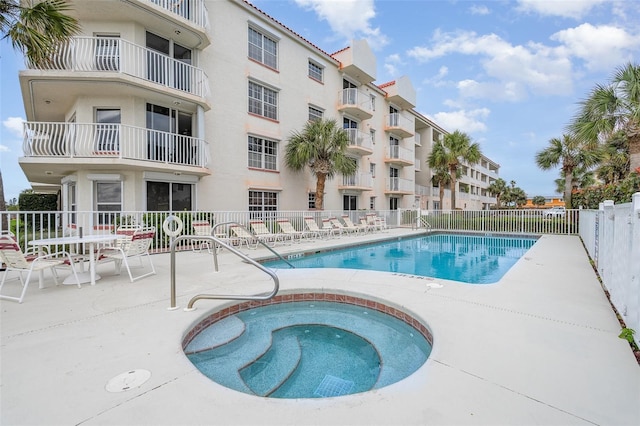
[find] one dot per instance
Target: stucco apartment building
(188, 105)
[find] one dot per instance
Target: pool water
(308, 350)
(467, 258)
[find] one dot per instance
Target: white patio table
(89, 276)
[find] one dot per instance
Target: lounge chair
(263, 234)
(315, 230)
(244, 237)
(350, 225)
(287, 228)
(328, 226)
(338, 225)
(15, 259)
(378, 223)
(201, 228)
(365, 225)
(125, 249)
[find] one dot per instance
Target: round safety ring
(167, 226)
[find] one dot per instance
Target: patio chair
(314, 229)
(350, 225)
(201, 227)
(287, 228)
(338, 225)
(263, 234)
(378, 223)
(244, 237)
(125, 249)
(327, 225)
(365, 225)
(15, 259)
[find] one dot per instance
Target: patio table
(89, 276)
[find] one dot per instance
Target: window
(393, 203)
(107, 130)
(107, 53)
(169, 135)
(372, 169)
(373, 102)
(169, 196)
(263, 153)
(372, 203)
(312, 200)
(262, 202)
(349, 202)
(263, 101)
(316, 72)
(108, 200)
(176, 73)
(263, 49)
(372, 133)
(315, 113)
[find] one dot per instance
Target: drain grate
(128, 380)
(333, 386)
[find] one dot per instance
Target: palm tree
(570, 153)
(37, 29)
(538, 200)
(581, 178)
(450, 152)
(498, 188)
(614, 165)
(441, 177)
(322, 147)
(612, 108)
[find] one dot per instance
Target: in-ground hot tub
(308, 345)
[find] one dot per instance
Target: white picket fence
(611, 235)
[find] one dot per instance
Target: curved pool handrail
(218, 242)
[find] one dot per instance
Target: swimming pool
(314, 348)
(473, 259)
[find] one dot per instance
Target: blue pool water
(308, 350)
(467, 258)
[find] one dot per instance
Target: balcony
(355, 102)
(422, 190)
(418, 139)
(112, 145)
(358, 61)
(399, 125)
(399, 186)
(399, 156)
(359, 142)
(192, 10)
(357, 182)
(401, 92)
(417, 164)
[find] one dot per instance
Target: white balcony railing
(402, 154)
(77, 140)
(418, 139)
(422, 190)
(112, 54)
(395, 184)
(358, 180)
(192, 10)
(397, 122)
(357, 99)
(359, 139)
(417, 164)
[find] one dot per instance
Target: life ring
(167, 228)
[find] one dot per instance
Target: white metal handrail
(192, 10)
(359, 139)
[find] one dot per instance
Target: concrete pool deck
(539, 347)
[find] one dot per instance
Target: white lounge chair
(315, 230)
(287, 228)
(15, 259)
(201, 228)
(350, 225)
(244, 237)
(263, 234)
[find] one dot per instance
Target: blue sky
(508, 73)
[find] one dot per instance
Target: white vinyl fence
(611, 235)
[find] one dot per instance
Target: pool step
(274, 367)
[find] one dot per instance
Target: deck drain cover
(128, 380)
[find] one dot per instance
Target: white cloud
(601, 47)
(391, 64)
(468, 121)
(515, 70)
(349, 19)
(574, 9)
(4, 148)
(14, 125)
(479, 10)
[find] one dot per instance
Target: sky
(508, 73)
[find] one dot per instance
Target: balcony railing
(397, 123)
(395, 184)
(417, 164)
(418, 139)
(400, 154)
(354, 99)
(358, 180)
(93, 140)
(422, 190)
(359, 140)
(192, 10)
(112, 54)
